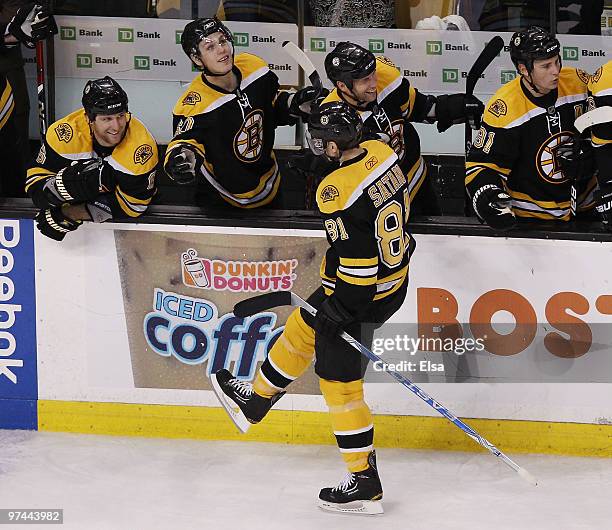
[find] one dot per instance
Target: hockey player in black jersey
(523, 162)
(600, 97)
(388, 103)
(224, 123)
(364, 277)
(96, 164)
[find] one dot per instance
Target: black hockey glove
(458, 108)
(301, 102)
(603, 201)
(492, 205)
(54, 224)
(331, 318)
(183, 164)
(32, 23)
(81, 181)
(575, 158)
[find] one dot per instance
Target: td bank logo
(376, 45)
(318, 44)
(177, 36)
(570, 53)
(450, 75)
(433, 47)
(84, 60)
(507, 76)
(67, 33)
(125, 34)
(142, 62)
(241, 39)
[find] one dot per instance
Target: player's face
(109, 129)
(365, 88)
(545, 74)
(216, 53)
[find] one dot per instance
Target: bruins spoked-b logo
(143, 154)
(547, 161)
(249, 139)
(64, 132)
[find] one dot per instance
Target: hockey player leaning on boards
(387, 103)
(523, 162)
(96, 164)
(224, 123)
(600, 95)
(364, 276)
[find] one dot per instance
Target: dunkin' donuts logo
(237, 276)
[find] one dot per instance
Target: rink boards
(117, 329)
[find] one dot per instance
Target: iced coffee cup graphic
(196, 271)
(169, 278)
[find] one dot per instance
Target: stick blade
(486, 57)
(525, 475)
(263, 302)
(305, 63)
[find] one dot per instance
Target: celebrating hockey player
(96, 164)
(224, 123)
(600, 100)
(365, 205)
(387, 103)
(524, 162)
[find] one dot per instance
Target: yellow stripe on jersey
(7, 104)
(359, 262)
(36, 174)
(132, 206)
(472, 169)
(345, 185)
(194, 143)
(263, 181)
(550, 205)
(416, 176)
(600, 141)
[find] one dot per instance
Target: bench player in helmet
(600, 95)
(224, 122)
(96, 164)
(387, 103)
(364, 277)
(520, 164)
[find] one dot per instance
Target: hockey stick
(305, 64)
(486, 57)
(40, 81)
(267, 301)
(595, 116)
(490, 51)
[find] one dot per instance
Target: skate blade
(355, 507)
(230, 407)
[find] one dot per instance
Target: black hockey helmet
(532, 44)
(104, 96)
(347, 62)
(334, 121)
(200, 28)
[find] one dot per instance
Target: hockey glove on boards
(183, 163)
(300, 103)
(81, 181)
(458, 108)
(603, 201)
(492, 205)
(32, 23)
(52, 223)
(331, 318)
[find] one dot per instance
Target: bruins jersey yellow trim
(132, 206)
(71, 138)
(600, 83)
(345, 185)
(474, 168)
(7, 103)
(35, 175)
(388, 285)
(200, 98)
(174, 143)
(509, 107)
(600, 141)
(416, 176)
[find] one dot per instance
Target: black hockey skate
(244, 406)
(358, 493)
